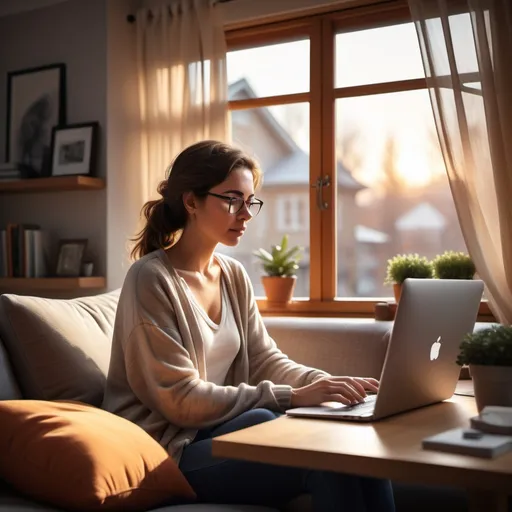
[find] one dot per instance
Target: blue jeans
(218, 480)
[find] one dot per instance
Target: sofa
(54, 349)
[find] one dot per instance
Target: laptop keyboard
(369, 403)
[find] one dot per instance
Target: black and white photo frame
(74, 149)
(36, 102)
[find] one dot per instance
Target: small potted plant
(402, 266)
(453, 265)
(488, 352)
(280, 266)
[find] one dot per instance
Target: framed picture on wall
(70, 256)
(74, 149)
(36, 102)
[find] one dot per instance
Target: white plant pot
(492, 384)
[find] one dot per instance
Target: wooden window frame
(321, 30)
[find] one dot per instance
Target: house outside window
(291, 212)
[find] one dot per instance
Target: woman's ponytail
(164, 218)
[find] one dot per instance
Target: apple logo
(434, 350)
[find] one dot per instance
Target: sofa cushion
(79, 457)
(59, 349)
(13, 501)
(339, 346)
(9, 389)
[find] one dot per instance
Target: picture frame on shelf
(36, 102)
(70, 257)
(74, 149)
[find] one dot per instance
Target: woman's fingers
(345, 389)
(334, 397)
(371, 384)
(358, 396)
(342, 378)
(366, 382)
(370, 380)
(354, 385)
(358, 385)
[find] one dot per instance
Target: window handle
(319, 185)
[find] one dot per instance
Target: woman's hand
(347, 390)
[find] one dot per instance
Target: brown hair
(196, 169)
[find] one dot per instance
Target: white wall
(97, 44)
(73, 32)
(8, 7)
(124, 192)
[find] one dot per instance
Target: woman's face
(213, 215)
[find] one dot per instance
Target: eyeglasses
(237, 203)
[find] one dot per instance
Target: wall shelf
(15, 284)
(52, 184)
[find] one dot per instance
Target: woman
(191, 358)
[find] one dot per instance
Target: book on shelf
(9, 171)
(24, 250)
(15, 176)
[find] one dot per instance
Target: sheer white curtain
(467, 54)
(181, 60)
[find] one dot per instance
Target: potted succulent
(280, 266)
(402, 266)
(488, 352)
(453, 265)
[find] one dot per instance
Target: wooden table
(389, 448)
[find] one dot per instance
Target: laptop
(432, 317)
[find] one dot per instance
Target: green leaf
(400, 267)
(284, 243)
(453, 265)
(282, 260)
(492, 346)
(276, 251)
(291, 253)
(263, 255)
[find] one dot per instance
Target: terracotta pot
(492, 384)
(397, 291)
(279, 289)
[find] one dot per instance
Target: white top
(222, 340)
(157, 373)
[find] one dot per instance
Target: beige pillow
(78, 457)
(59, 349)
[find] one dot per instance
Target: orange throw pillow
(78, 457)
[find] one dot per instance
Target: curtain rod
(130, 18)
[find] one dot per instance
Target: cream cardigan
(157, 374)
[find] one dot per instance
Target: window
(257, 66)
(389, 140)
(336, 109)
(276, 133)
(376, 55)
